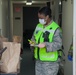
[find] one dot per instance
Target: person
(47, 39)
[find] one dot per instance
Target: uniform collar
(49, 23)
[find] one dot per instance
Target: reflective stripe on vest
(40, 53)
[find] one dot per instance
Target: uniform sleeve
(57, 42)
(33, 39)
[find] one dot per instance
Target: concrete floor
(27, 63)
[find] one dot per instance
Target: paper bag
(10, 57)
(2, 39)
(17, 39)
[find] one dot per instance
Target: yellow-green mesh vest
(40, 53)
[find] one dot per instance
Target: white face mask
(42, 21)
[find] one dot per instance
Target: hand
(41, 45)
(32, 43)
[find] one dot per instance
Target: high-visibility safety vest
(45, 35)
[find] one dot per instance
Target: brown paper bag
(17, 39)
(10, 57)
(2, 39)
(18, 66)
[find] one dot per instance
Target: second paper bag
(10, 57)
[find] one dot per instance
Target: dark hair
(46, 11)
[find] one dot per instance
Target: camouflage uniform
(46, 68)
(50, 68)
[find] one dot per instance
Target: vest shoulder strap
(49, 31)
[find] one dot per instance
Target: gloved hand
(32, 43)
(70, 58)
(41, 45)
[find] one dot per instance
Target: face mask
(42, 21)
